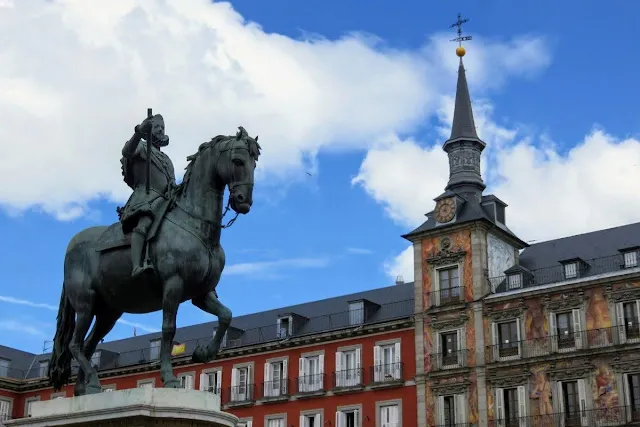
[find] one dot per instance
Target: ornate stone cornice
(620, 295)
(446, 254)
(582, 368)
(455, 322)
(449, 387)
(508, 381)
(497, 315)
(626, 362)
(569, 300)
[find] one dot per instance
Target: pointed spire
(463, 124)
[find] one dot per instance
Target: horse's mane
(252, 145)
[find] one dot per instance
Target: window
(451, 410)
(241, 384)
(44, 368)
(311, 373)
(628, 314)
(28, 407)
(348, 418)
(506, 340)
(514, 281)
(211, 381)
(566, 330)
(4, 367)
(511, 407)
(448, 285)
(389, 416)
(186, 381)
(275, 378)
(223, 343)
(631, 259)
(145, 384)
(573, 403)
(386, 361)
(276, 422)
(356, 313)
(284, 327)
(5, 410)
(570, 270)
(311, 420)
(447, 349)
(348, 372)
(632, 392)
(95, 359)
(245, 422)
(154, 350)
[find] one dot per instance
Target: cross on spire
(458, 24)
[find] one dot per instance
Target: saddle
(114, 237)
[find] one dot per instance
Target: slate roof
(323, 315)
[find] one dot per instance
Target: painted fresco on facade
(536, 325)
(598, 318)
(428, 343)
(470, 339)
(490, 410)
(540, 391)
(430, 406)
(473, 399)
(605, 394)
(622, 286)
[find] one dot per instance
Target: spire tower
(463, 146)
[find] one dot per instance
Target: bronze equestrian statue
(180, 225)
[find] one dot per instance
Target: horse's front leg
(172, 296)
(212, 305)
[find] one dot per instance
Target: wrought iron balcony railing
(269, 333)
(240, 394)
(449, 360)
(275, 388)
(543, 276)
(599, 417)
(558, 344)
(348, 378)
(446, 296)
(310, 383)
(385, 373)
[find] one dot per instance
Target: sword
(149, 115)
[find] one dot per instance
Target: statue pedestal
(138, 407)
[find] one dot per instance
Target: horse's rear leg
(105, 321)
(172, 296)
(84, 313)
(212, 305)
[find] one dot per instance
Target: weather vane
(460, 51)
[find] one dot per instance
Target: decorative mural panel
(598, 318)
(471, 340)
(430, 405)
(428, 343)
(540, 391)
(473, 399)
(536, 326)
(500, 256)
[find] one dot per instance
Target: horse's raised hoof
(175, 383)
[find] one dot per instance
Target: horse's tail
(60, 364)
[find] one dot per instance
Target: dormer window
(95, 359)
(224, 337)
(630, 258)
(4, 367)
(154, 350)
(356, 313)
(514, 281)
(44, 368)
(571, 270)
(284, 327)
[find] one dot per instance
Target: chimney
(399, 280)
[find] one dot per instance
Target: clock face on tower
(445, 210)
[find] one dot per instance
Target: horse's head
(237, 163)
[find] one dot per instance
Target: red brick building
(347, 362)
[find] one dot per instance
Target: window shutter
(460, 409)
(436, 352)
(522, 406)
(436, 290)
(188, 382)
(637, 311)
(500, 407)
(560, 397)
(285, 369)
(519, 337)
(203, 382)
(250, 423)
(582, 395)
(577, 328)
(234, 384)
(626, 395)
(553, 332)
(218, 389)
(302, 424)
(339, 373)
(394, 416)
(459, 335)
(338, 419)
(321, 363)
(622, 330)
(376, 363)
(358, 364)
(356, 418)
(250, 383)
(316, 420)
(397, 362)
(267, 378)
(440, 410)
(494, 340)
(301, 375)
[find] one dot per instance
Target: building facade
(511, 334)
(346, 362)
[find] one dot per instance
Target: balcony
(448, 296)
(241, 395)
(607, 417)
(310, 385)
(275, 390)
(609, 266)
(348, 379)
(391, 374)
(559, 344)
(451, 360)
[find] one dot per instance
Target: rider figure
(142, 207)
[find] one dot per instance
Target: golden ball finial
(460, 51)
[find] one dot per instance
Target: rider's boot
(137, 246)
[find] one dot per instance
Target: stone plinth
(138, 407)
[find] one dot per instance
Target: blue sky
(357, 93)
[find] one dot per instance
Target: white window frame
(6, 408)
(343, 379)
(523, 406)
(382, 405)
(27, 404)
(204, 380)
(268, 378)
(154, 349)
(43, 368)
(356, 313)
(495, 336)
(438, 351)
(630, 258)
(570, 270)
(621, 322)
(308, 382)
(576, 318)
(459, 408)
(318, 414)
(189, 380)
(341, 415)
(436, 281)
(284, 332)
(514, 281)
(223, 343)
(109, 388)
(582, 399)
(280, 417)
(245, 422)
(144, 383)
(380, 373)
(236, 394)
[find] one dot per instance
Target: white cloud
(267, 269)
(401, 265)
(359, 251)
(138, 325)
(20, 326)
(71, 102)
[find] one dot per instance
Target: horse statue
(185, 249)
